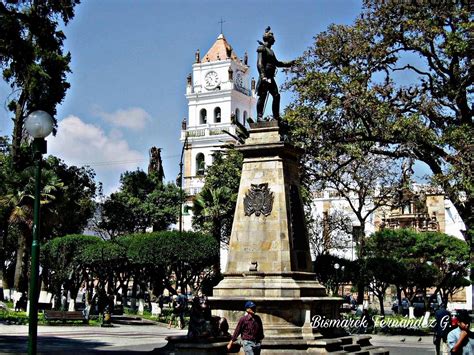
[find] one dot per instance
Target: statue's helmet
(268, 34)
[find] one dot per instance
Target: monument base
(286, 302)
(356, 344)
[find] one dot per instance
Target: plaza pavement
(132, 339)
(120, 339)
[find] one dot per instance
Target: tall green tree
(429, 259)
(172, 260)
(349, 92)
(214, 207)
(32, 59)
(67, 199)
(17, 204)
(62, 266)
(142, 202)
(74, 202)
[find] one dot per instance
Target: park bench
(65, 316)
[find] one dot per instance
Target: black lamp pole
(181, 186)
(39, 125)
(39, 148)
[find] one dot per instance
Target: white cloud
(80, 143)
(134, 118)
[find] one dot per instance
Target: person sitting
(21, 303)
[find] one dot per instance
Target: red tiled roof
(220, 50)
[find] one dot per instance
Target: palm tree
(18, 204)
(211, 208)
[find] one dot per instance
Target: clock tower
(218, 87)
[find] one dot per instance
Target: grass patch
(10, 317)
(164, 317)
(21, 318)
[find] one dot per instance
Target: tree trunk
(18, 131)
(399, 299)
(19, 266)
(380, 297)
(361, 240)
(3, 273)
(133, 302)
(216, 233)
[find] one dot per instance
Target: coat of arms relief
(258, 200)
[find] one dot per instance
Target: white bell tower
(218, 87)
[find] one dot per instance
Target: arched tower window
(200, 164)
(203, 116)
(217, 115)
(237, 114)
(244, 118)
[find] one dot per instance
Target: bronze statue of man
(267, 64)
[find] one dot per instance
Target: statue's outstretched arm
(285, 64)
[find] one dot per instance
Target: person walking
(178, 306)
(441, 330)
(460, 338)
(250, 329)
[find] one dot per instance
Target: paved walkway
(400, 344)
(70, 340)
(129, 339)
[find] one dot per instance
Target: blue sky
(129, 65)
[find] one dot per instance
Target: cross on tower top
(221, 22)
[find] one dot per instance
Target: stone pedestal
(269, 259)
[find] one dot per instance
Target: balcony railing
(214, 130)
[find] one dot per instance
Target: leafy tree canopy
(166, 249)
(67, 200)
(32, 59)
(215, 205)
(67, 197)
(142, 201)
(427, 259)
(350, 98)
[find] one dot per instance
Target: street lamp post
(342, 280)
(39, 125)
(181, 186)
(336, 267)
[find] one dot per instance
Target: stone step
(273, 346)
(131, 320)
(363, 340)
(378, 351)
(362, 352)
(346, 340)
(351, 348)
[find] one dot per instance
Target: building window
(200, 164)
(186, 209)
(237, 115)
(217, 115)
(203, 116)
(406, 208)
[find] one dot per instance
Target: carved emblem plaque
(258, 200)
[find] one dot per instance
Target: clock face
(239, 80)
(211, 80)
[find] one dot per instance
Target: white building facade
(439, 209)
